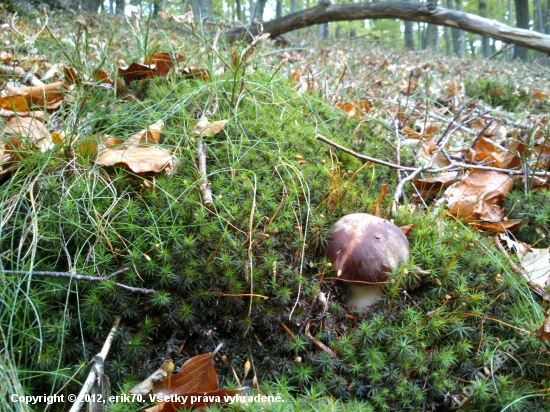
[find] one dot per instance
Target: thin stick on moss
(97, 368)
(319, 344)
(206, 187)
(74, 276)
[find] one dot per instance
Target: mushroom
(363, 248)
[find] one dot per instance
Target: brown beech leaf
(407, 229)
(136, 71)
(499, 227)
(431, 186)
(151, 135)
(195, 385)
(162, 62)
(138, 159)
(353, 109)
(205, 128)
(145, 387)
(479, 196)
(486, 153)
(34, 129)
(196, 74)
(543, 333)
(71, 75)
(20, 99)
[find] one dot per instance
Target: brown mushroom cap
(364, 248)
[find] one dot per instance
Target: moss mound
(452, 329)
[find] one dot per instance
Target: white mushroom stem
(362, 296)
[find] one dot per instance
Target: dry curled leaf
(479, 196)
(161, 63)
(31, 128)
(139, 152)
(145, 387)
(205, 128)
(535, 262)
(21, 99)
(136, 71)
(197, 379)
(431, 186)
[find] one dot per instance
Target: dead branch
(96, 374)
(454, 166)
(319, 344)
(74, 276)
(206, 187)
(422, 12)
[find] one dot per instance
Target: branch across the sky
(420, 12)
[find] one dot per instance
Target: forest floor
(180, 189)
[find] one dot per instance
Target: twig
(65, 274)
(97, 368)
(206, 187)
(84, 277)
(509, 46)
(519, 271)
(136, 290)
(454, 166)
(319, 344)
(288, 331)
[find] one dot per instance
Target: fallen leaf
(34, 129)
(138, 159)
(535, 262)
(486, 153)
(195, 74)
(145, 387)
(407, 229)
(136, 71)
(197, 378)
(543, 333)
(205, 128)
(499, 227)
(20, 99)
(431, 186)
(162, 62)
(479, 196)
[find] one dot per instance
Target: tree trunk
(120, 5)
(539, 16)
(547, 22)
(485, 41)
(421, 12)
(409, 33)
(431, 34)
(259, 11)
(460, 49)
(294, 6)
(522, 21)
(238, 10)
(448, 45)
(91, 6)
(279, 9)
(203, 10)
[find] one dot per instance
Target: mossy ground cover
(434, 341)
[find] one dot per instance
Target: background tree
(522, 21)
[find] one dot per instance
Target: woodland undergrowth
(248, 269)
